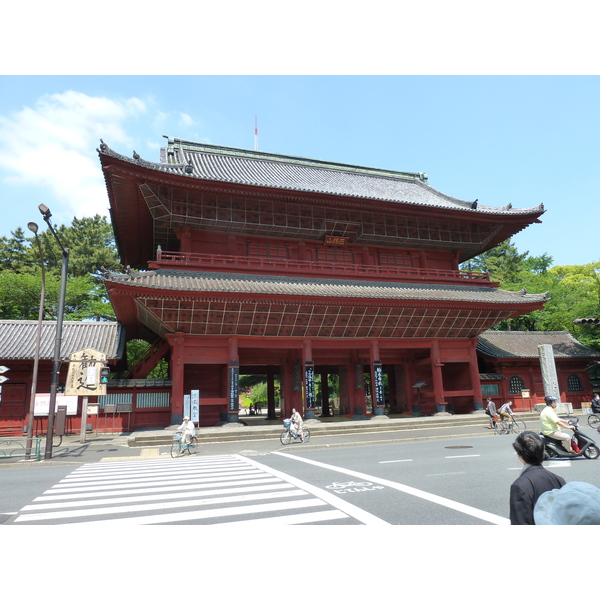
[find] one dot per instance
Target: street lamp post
(36, 358)
(46, 214)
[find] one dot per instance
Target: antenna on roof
(255, 132)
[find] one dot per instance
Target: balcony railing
(257, 265)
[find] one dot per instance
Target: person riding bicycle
(505, 411)
(296, 424)
(187, 429)
(551, 424)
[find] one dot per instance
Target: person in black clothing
(596, 404)
(533, 481)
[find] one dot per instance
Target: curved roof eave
(293, 174)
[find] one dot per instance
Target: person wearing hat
(576, 503)
(551, 424)
(187, 429)
(534, 480)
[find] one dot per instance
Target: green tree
(91, 246)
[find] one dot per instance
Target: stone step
(237, 431)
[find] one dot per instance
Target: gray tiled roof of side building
(524, 344)
(17, 339)
(273, 285)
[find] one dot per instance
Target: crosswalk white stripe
(209, 513)
(73, 479)
(157, 506)
(141, 465)
(294, 519)
(153, 481)
(146, 490)
(157, 477)
(154, 497)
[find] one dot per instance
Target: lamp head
(33, 227)
(45, 211)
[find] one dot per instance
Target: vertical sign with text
(309, 385)
(234, 386)
(195, 410)
(378, 384)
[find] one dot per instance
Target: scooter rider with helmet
(551, 424)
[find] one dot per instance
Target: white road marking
(463, 456)
(458, 506)
(358, 513)
(382, 462)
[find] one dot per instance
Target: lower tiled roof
(18, 339)
(524, 344)
(272, 285)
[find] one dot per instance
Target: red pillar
(438, 381)
(177, 342)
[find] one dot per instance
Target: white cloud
(53, 145)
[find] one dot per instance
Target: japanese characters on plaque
(83, 378)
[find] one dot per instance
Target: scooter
(554, 449)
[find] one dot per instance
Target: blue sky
(491, 106)
(500, 139)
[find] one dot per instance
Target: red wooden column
(438, 381)
(377, 399)
(309, 380)
(474, 371)
(233, 382)
(177, 342)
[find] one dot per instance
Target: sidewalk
(262, 435)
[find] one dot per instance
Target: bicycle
(512, 426)
(287, 436)
(594, 420)
(178, 447)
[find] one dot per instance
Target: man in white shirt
(187, 429)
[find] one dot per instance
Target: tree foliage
(91, 246)
(573, 290)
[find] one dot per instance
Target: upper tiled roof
(209, 282)
(524, 344)
(253, 168)
(17, 339)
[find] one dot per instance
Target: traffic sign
(3, 369)
(3, 379)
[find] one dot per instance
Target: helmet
(550, 399)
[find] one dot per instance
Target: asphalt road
(459, 480)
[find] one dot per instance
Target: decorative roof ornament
(189, 168)
(474, 205)
(136, 155)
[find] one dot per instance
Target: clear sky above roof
(520, 139)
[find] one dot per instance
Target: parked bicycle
(288, 436)
(510, 426)
(178, 447)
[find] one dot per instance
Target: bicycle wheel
(594, 421)
(519, 427)
(193, 446)
(306, 433)
(175, 449)
(285, 437)
(502, 428)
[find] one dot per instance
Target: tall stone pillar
(548, 367)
